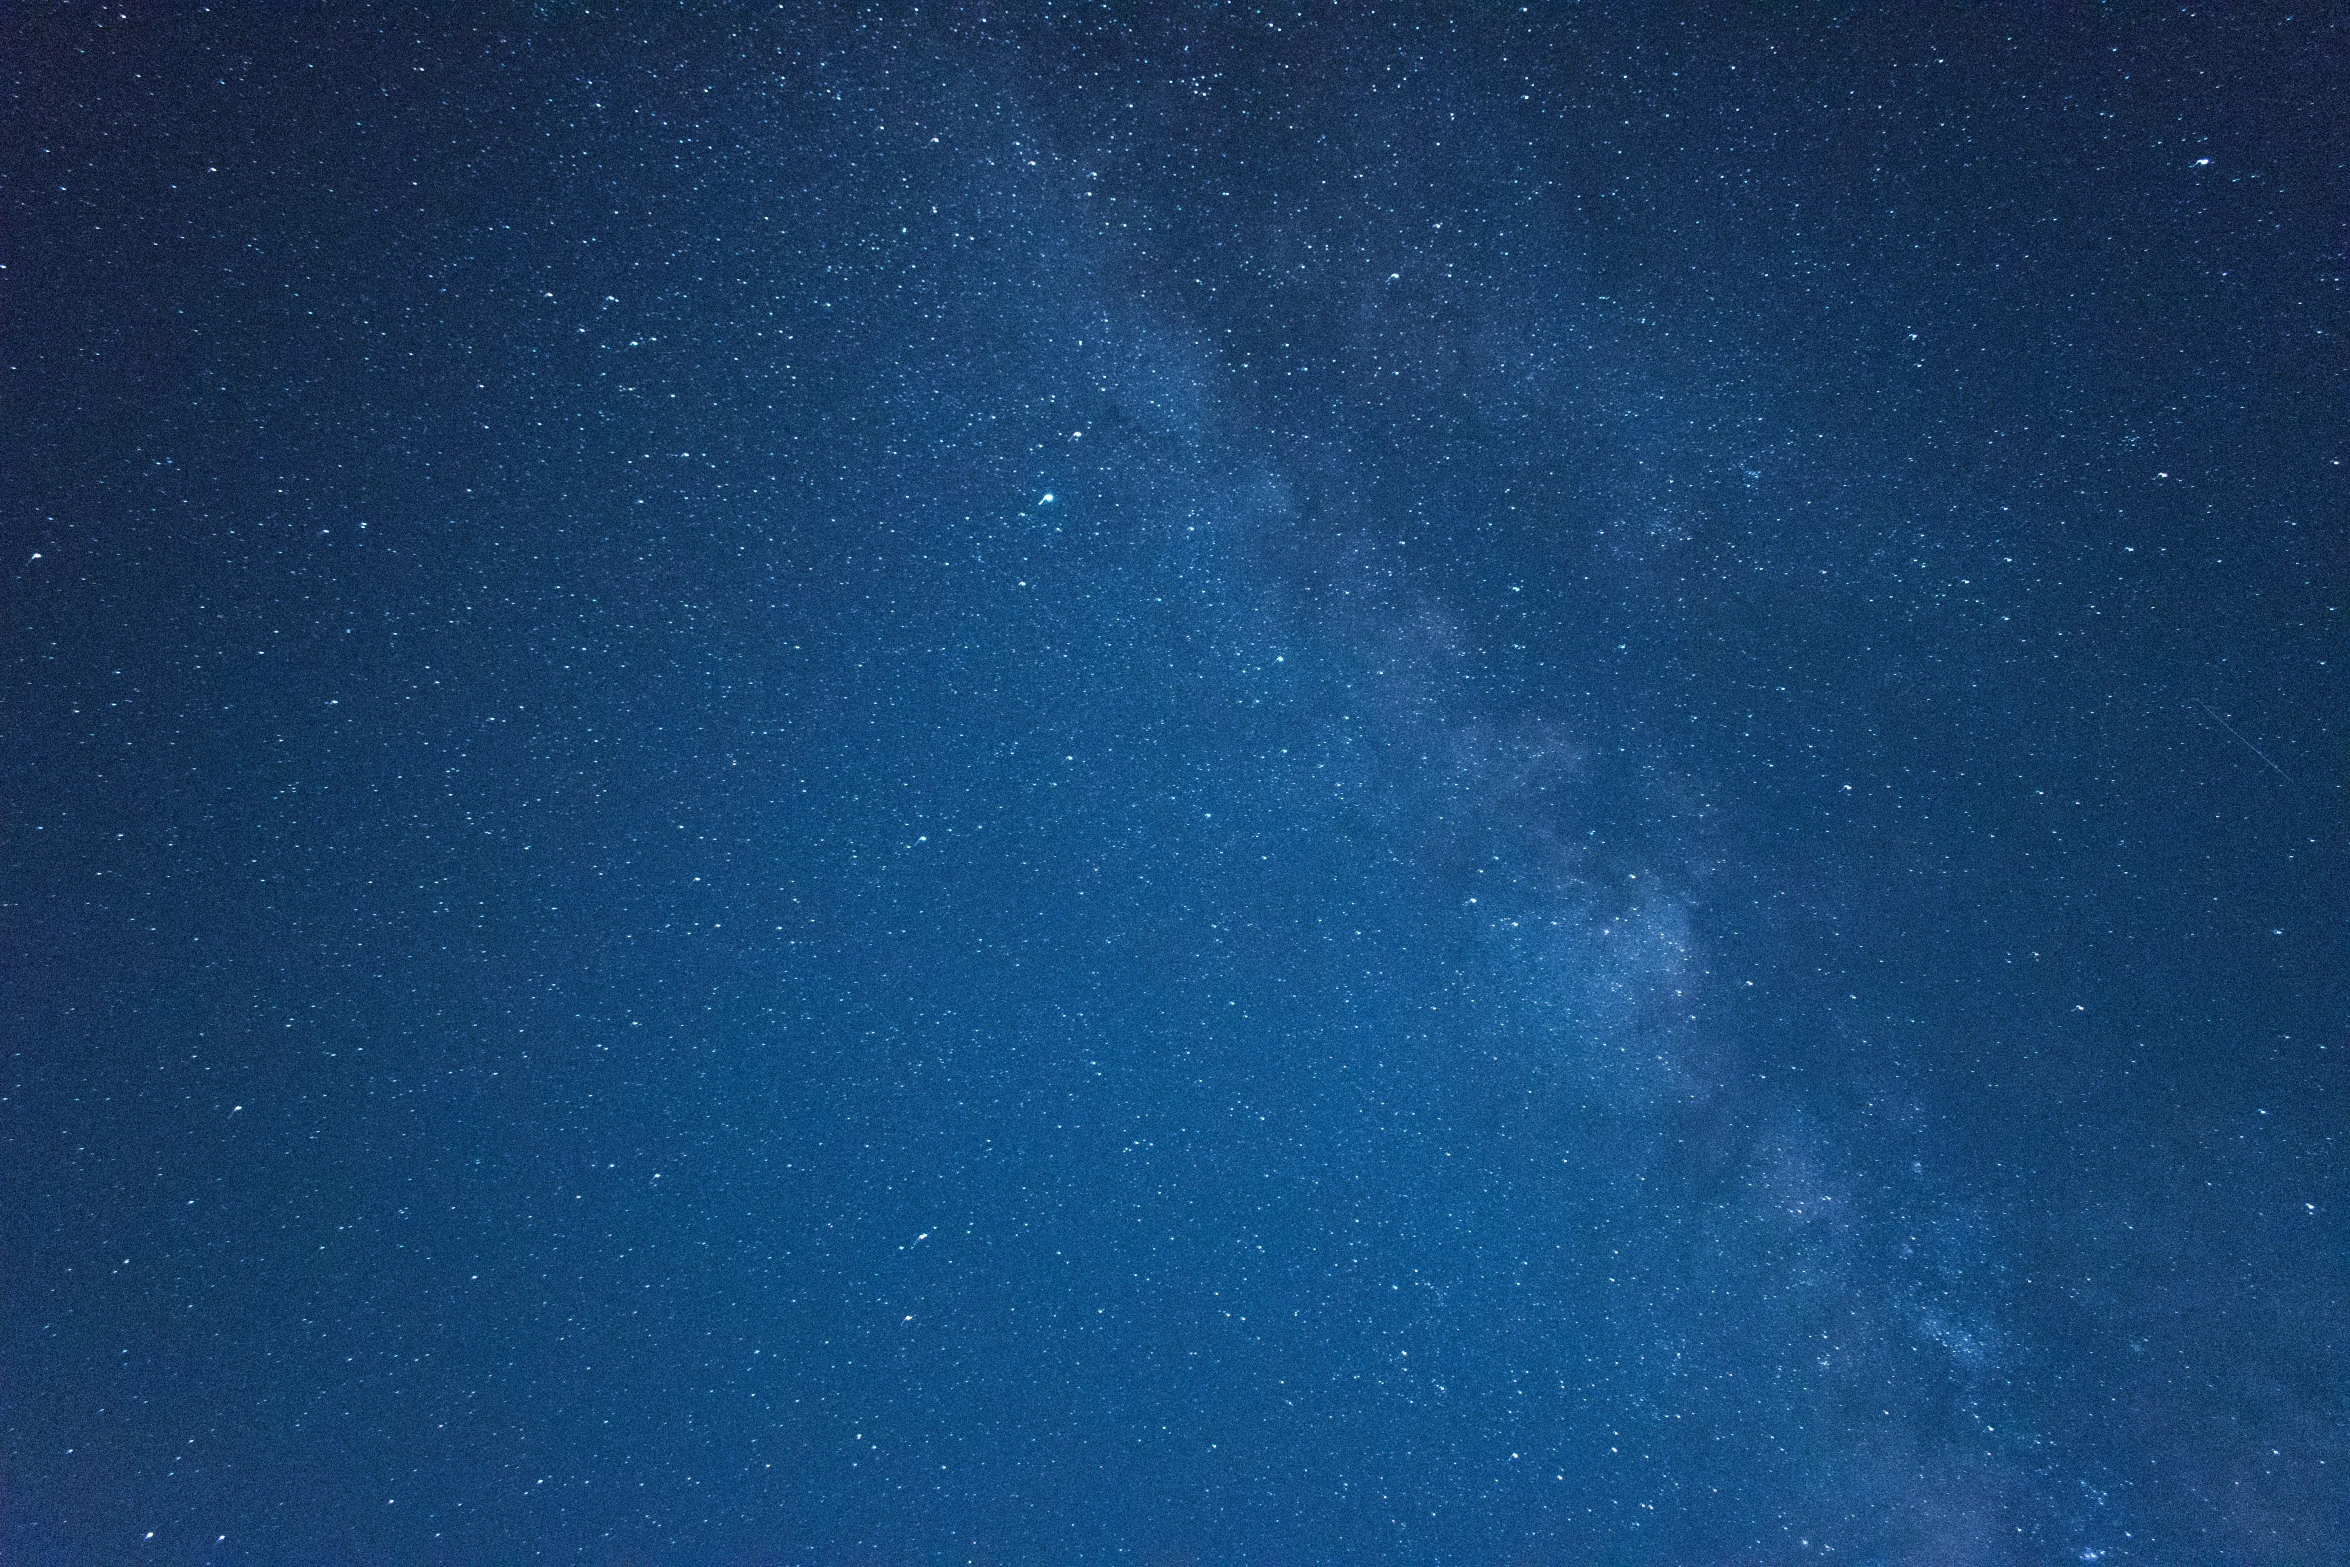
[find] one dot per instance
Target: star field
(1187, 784)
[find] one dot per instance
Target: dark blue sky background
(1179, 784)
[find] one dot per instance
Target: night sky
(1174, 784)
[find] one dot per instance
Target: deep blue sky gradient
(1178, 784)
